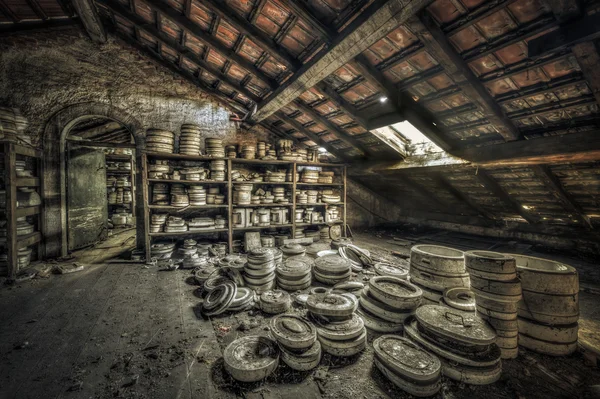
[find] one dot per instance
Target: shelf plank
(118, 171)
(28, 211)
(260, 205)
(319, 204)
(187, 233)
(320, 184)
(322, 164)
(276, 226)
(181, 157)
(118, 157)
(27, 182)
(318, 224)
(261, 162)
(270, 183)
(187, 208)
(199, 182)
(28, 239)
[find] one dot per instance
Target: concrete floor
(121, 330)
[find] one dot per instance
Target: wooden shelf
(321, 164)
(320, 184)
(261, 162)
(181, 157)
(28, 239)
(276, 226)
(119, 157)
(28, 211)
(118, 171)
(186, 208)
(27, 182)
(187, 233)
(260, 205)
(198, 182)
(319, 204)
(318, 224)
(270, 183)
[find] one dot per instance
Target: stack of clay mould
(259, 272)
(295, 273)
(407, 365)
(189, 140)
(391, 270)
(275, 301)
(290, 250)
(464, 343)
(161, 251)
(497, 292)
(313, 249)
(158, 140)
(434, 268)
(549, 311)
(331, 269)
(386, 302)
(459, 298)
(297, 339)
(340, 331)
(251, 359)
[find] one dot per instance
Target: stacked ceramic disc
(157, 222)
(275, 301)
(290, 250)
(386, 302)
(214, 147)
(160, 194)
(189, 140)
(407, 365)
(459, 298)
(248, 151)
(549, 311)
(259, 272)
(391, 270)
(197, 195)
(162, 250)
(464, 343)
(434, 268)
(497, 293)
(331, 269)
(8, 127)
(158, 140)
(217, 170)
(295, 273)
(251, 359)
(310, 176)
(297, 339)
(340, 331)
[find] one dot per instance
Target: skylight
(406, 139)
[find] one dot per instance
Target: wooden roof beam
(437, 43)
(314, 137)
(161, 37)
(302, 11)
(90, 19)
(35, 6)
(336, 130)
(554, 185)
(192, 28)
(98, 130)
(275, 50)
(456, 193)
(491, 184)
(339, 101)
(588, 58)
(374, 22)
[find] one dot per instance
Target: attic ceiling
(326, 72)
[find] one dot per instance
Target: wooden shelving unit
(230, 206)
(11, 182)
(123, 172)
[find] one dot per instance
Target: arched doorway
(83, 124)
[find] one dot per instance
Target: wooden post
(344, 199)
(293, 215)
(146, 213)
(229, 206)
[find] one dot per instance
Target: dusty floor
(121, 330)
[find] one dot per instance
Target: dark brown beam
(486, 9)
(420, 77)
(554, 185)
(35, 6)
(436, 42)
(302, 11)
(332, 127)
(8, 12)
(276, 131)
(161, 37)
(586, 29)
(523, 66)
(340, 102)
(552, 108)
(588, 59)
(544, 88)
(573, 147)
(100, 144)
(33, 26)
(98, 130)
(90, 19)
(404, 104)
(374, 22)
(314, 137)
(491, 184)
(277, 51)
(446, 184)
(209, 41)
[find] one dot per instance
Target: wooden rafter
(588, 59)
(161, 37)
(277, 51)
(438, 45)
(6, 10)
(555, 187)
(192, 28)
(340, 102)
(300, 9)
(366, 29)
(442, 181)
(492, 185)
(35, 6)
(90, 19)
(429, 195)
(314, 137)
(337, 131)
(31, 26)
